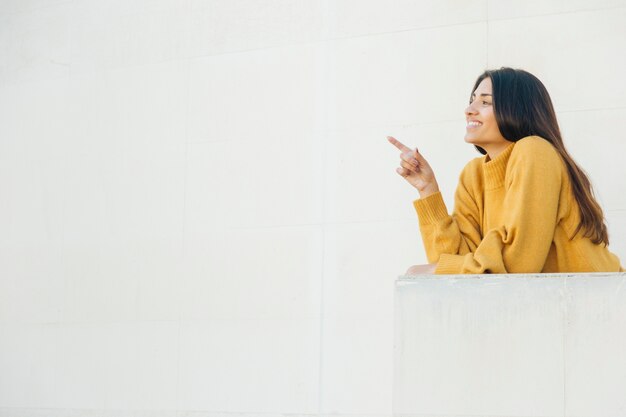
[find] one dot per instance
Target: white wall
(199, 210)
(502, 345)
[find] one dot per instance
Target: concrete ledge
(510, 345)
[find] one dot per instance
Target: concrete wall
(199, 211)
(516, 345)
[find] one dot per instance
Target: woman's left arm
(530, 210)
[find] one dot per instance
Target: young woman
(525, 206)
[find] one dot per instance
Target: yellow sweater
(512, 214)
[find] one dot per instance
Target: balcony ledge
(510, 345)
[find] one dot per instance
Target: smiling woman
(525, 206)
(482, 126)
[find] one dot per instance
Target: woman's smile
(473, 124)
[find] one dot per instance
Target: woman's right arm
(456, 234)
(441, 233)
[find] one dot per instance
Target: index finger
(395, 142)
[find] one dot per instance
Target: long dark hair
(522, 107)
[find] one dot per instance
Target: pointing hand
(415, 169)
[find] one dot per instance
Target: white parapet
(510, 345)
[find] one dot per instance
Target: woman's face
(482, 128)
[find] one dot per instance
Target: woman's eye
(485, 102)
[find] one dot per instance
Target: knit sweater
(513, 214)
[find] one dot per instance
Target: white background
(199, 211)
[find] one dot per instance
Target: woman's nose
(470, 110)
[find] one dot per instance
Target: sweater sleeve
(529, 217)
(456, 234)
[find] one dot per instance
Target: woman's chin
(469, 138)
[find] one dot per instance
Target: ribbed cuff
(430, 209)
(450, 264)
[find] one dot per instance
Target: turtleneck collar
(494, 170)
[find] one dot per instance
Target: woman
(525, 206)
